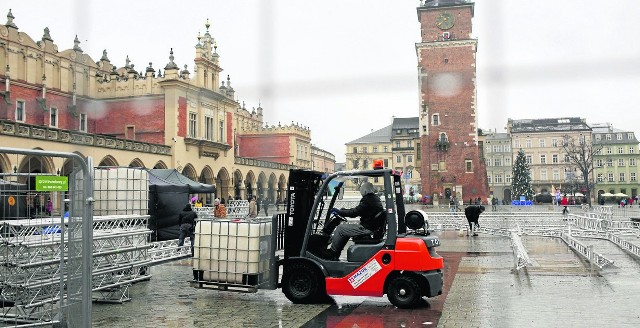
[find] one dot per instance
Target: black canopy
(173, 177)
(168, 194)
(13, 200)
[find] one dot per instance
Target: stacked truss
(33, 253)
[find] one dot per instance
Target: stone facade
(155, 117)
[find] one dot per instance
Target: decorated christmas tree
(521, 182)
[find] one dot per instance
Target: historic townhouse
(498, 156)
(616, 165)
(541, 140)
(398, 145)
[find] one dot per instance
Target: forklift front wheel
(404, 292)
(302, 284)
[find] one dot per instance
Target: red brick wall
(274, 148)
(230, 129)
(34, 114)
(182, 117)
(146, 115)
(448, 89)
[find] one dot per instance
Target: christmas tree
(521, 182)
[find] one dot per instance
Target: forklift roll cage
(392, 186)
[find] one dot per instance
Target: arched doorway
(507, 196)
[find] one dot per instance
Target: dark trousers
(186, 229)
(345, 231)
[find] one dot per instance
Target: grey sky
(345, 67)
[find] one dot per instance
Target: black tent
(13, 200)
(168, 194)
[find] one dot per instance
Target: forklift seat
(376, 236)
(363, 252)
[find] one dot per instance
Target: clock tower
(451, 161)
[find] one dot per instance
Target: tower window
(446, 60)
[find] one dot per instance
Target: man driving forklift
(369, 210)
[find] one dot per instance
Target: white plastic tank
(229, 251)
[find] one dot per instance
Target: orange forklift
(398, 260)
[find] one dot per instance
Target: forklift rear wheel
(404, 292)
(302, 284)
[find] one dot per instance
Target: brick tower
(450, 153)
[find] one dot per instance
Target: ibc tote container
(232, 252)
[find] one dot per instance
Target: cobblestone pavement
(481, 290)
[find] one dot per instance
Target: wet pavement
(481, 290)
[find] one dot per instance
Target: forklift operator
(368, 209)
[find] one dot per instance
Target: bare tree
(580, 154)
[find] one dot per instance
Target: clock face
(445, 21)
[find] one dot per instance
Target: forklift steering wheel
(342, 218)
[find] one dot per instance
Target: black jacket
(187, 216)
(369, 206)
(473, 212)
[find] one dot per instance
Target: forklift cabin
(390, 261)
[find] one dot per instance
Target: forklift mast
(302, 188)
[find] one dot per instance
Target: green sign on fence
(52, 183)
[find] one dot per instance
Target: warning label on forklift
(366, 272)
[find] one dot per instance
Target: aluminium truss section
(168, 250)
(584, 251)
(205, 212)
(491, 222)
(520, 255)
(237, 209)
(33, 262)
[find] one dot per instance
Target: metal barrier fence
(46, 262)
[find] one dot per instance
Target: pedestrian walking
(453, 206)
(265, 205)
(472, 213)
(36, 204)
(253, 207)
(187, 224)
(49, 206)
(564, 202)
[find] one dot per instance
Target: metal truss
(168, 250)
(236, 209)
(594, 224)
(33, 253)
(520, 255)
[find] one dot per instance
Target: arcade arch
(108, 161)
(136, 162)
(223, 185)
(160, 165)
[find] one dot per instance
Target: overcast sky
(345, 67)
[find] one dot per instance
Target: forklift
(393, 261)
(398, 260)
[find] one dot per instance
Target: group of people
(35, 205)
(254, 206)
(187, 218)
